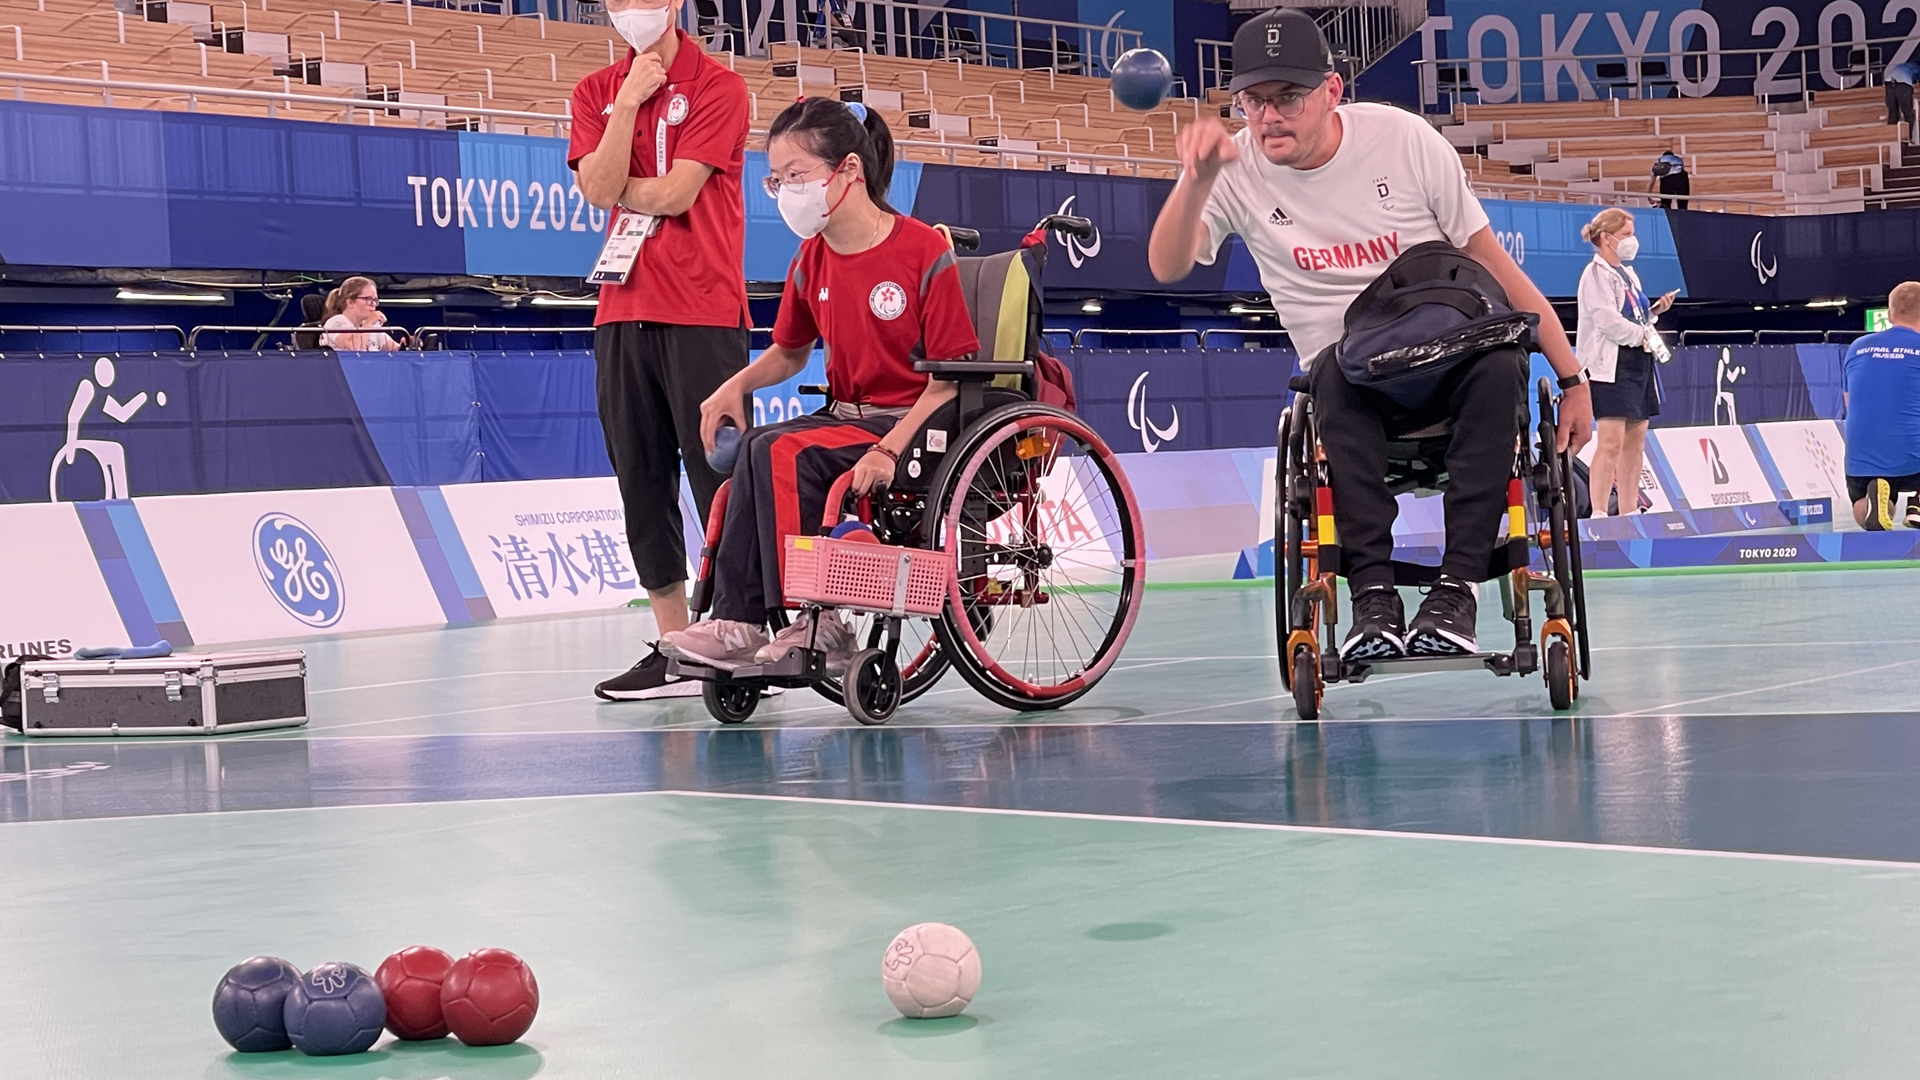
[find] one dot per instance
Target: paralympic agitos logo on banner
(298, 570)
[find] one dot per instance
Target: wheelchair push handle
(1077, 227)
(963, 239)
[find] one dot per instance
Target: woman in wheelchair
(882, 291)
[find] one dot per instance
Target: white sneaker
(834, 639)
(720, 643)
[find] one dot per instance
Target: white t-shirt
(346, 337)
(1321, 236)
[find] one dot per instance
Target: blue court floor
(1709, 868)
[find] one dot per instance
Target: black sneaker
(1379, 625)
(1444, 625)
(646, 681)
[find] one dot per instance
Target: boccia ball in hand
(410, 980)
(334, 1009)
(1142, 79)
(489, 998)
(249, 1005)
(726, 450)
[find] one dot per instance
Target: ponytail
(337, 299)
(832, 129)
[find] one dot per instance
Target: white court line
(1656, 710)
(456, 678)
(311, 734)
(455, 712)
(1161, 661)
(1327, 830)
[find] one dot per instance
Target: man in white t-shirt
(1325, 195)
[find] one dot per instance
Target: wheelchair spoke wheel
(1047, 549)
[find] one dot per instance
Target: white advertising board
(1811, 456)
(276, 564)
(547, 546)
(1713, 466)
(52, 597)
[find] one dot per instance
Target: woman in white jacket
(1617, 343)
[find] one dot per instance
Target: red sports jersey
(878, 312)
(691, 272)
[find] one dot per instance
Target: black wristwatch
(1568, 382)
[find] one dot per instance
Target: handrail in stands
(276, 98)
(193, 336)
(48, 329)
(1756, 337)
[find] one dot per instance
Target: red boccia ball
(411, 980)
(489, 998)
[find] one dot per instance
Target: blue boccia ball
(1142, 79)
(335, 1009)
(726, 450)
(249, 1005)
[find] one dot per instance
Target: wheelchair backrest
(1003, 296)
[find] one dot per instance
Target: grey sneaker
(720, 643)
(834, 639)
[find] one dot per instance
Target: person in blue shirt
(1882, 379)
(1899, 80)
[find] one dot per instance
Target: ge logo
(298, 570)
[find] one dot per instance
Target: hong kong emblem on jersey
(677, 109)
(888, 300)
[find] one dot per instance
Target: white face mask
(1627, 248)
(641, 26)
(804, 207)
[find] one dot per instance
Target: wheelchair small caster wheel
(1306, 684)
(873, 682)
(1561, 689)
(730, 702)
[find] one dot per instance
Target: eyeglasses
(1289, 105)
(369, 298)
(793, 178)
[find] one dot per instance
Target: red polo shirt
(691, 272)
(878, 312)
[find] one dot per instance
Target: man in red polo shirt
(664, 133)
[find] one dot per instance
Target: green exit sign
(1877, 319)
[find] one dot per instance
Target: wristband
(891, 456)
(1568, 382)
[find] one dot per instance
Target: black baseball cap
(1282, 45)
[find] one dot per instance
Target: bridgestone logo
(1732, 498)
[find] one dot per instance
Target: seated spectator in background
(1882, 379)
(355, 306)
(1670, 178)
(1899, 81)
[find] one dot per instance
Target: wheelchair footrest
(801, 667)
(1498, 663)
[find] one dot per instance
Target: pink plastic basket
(867, 577)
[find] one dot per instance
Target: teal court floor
(1709, 869)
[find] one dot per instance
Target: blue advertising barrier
(174, 423)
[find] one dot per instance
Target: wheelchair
(1045, 555)
(1541, 517)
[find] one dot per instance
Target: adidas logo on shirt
(1279, 217)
